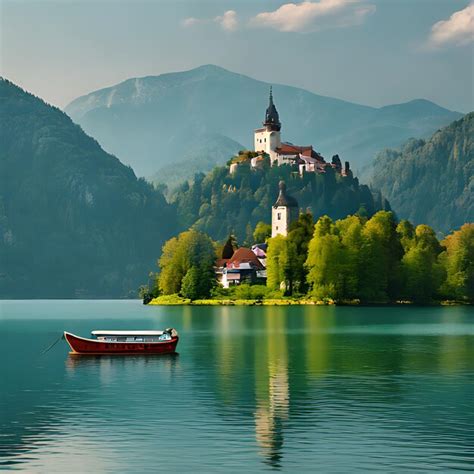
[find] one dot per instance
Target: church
(267, 140)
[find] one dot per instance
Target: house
(243, 267)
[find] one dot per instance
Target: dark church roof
(285, 199)
(272, 119)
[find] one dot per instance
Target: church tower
(268, 139)
(284, 212)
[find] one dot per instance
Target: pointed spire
(271, 116)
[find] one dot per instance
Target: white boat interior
(134, 336)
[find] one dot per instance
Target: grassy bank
(176, 300)
(171, 300)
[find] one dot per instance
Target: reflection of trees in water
(296, 362)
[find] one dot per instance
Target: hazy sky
(374, 52)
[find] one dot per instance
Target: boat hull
(84, 346)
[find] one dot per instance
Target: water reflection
(272, 391)
(262, 387)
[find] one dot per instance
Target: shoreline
(174, 300)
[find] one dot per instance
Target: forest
(221, 203)
(431, 181)
(74, 221)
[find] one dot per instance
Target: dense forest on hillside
(432, 181)
(74, 221)
(221, 203)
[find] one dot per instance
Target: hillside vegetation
(74, 221)
(221, 203)
(432, 181)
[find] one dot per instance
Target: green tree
(422, 272)
(458, 260)
(381, 253)
(262, 232)
(350, 232)
(325, 261)
(191, 284)
(406, 233)
(190, 249)
(299, 236)
(276, 262)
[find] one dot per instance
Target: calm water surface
(295, 389)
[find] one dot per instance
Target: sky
(373, 52)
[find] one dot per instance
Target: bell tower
(268, 138)
(284, 212)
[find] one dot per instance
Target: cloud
(309, 16)
(228, 21)
(457, 30)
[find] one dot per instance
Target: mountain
(204, 154)
(74, 221)
(154, 121)
(220, 203)
(431, 181)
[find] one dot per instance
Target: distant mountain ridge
(151, 121)
(431, 181)
(74, 221)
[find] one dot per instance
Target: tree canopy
(187, 265)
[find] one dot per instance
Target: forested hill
(74, 221)
(432, 181)
(220, 203)
(152, 122)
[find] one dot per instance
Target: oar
(53, 344)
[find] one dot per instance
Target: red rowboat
(124, 342)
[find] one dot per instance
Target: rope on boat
(53, 344)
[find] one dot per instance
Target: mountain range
(431, 181)
(74, 220)
(177, 119)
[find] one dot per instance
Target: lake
(296, 388)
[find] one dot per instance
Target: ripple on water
(291, 389)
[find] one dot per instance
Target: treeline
(372, 260)
(221, 203)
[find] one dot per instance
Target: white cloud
(191, 21)
(457, 30)
(228, 21)
(309, 16)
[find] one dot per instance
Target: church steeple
(272, 120)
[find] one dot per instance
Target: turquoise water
(300, 389)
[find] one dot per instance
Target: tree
(191, 287)
(262, 232)
(191, 249)
(276, 262)
(406, 233)
(324, 262)
(350, 232)
(299, 236)
(458, 261)
(422, 272)
(229, 247)
(381, 252)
